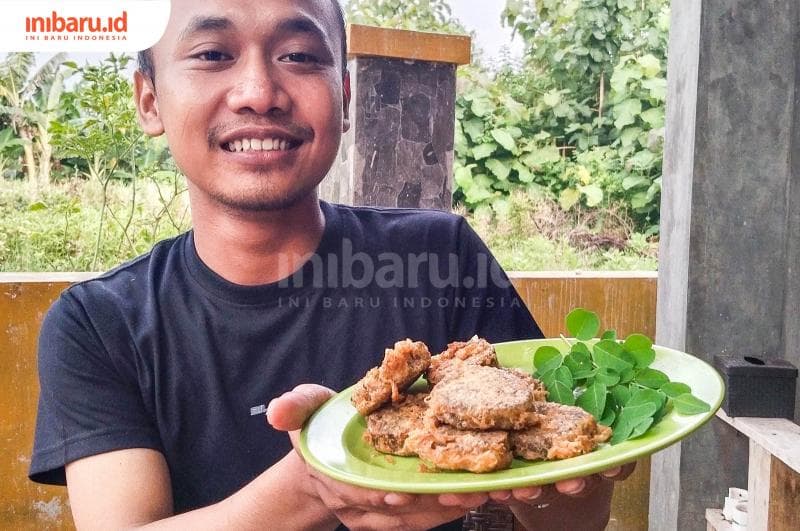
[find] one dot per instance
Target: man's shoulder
(407, 225)
(130, 280)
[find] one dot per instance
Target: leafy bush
(583, 119)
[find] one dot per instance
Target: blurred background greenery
(558, 150)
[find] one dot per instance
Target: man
(150, 373)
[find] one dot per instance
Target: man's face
(250, 95)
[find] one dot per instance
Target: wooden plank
(784, 497)
(626, 513)
(758, 487)
(780, 437)
(404, 44)
(716, 522)
(625, 302)
(25, 505)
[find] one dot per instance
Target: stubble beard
(263, 198)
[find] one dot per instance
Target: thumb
(290, 411)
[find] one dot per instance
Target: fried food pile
(476, 416)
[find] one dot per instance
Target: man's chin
(265, 202)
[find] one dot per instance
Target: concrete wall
(729, 251)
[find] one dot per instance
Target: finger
(289, 411)
(399, 499)
(466, 501)
(571, 487)
(527, 494)
(500, 495)
(619, 473)
(337, 494)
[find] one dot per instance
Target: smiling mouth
(249, 145)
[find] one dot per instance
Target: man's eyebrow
(200, 24)
(302, 25)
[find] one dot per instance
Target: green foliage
(527, 231)
(103, 141)
(583, 119)
(56, 230)
(612, 379)
(420, 15)
(29, 101)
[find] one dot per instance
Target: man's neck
(257, 248)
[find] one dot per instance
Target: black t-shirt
(163, 353)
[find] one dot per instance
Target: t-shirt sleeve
(88, 403)
(486, 302)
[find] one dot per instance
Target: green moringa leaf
(647, 396)
(606, 376)
(561, 393)
(593, 400)
(609, 354)
(651, 378)
(637, 342)
(610, 335)
(579, 363)
(547, 359)
(673, 389)
(688, 404)
(641, 428)
(583, 324)
(621, 394)
(564, 375)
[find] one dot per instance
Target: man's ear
(346, 102)
(144, 95)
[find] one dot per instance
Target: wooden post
(730, 220)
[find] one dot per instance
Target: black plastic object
(756, 386)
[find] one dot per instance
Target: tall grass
(60, 229)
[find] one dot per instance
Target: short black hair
(145, 57)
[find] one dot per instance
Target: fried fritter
(484, 398)
(563, 431)
(389, 426)
(474, 352)
(451, 449)
(537, 387)
(401, 366)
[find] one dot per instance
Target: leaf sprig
(612, 379)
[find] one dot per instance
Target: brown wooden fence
(625, 302)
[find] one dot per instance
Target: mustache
(297, 131)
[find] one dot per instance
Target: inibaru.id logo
(57, 27)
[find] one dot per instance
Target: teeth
(256, 144)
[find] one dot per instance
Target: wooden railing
(625, 302)
(773, 475)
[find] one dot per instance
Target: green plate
(332, 440)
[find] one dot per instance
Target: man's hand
(573, 504)
(356, 507)
(579, 503)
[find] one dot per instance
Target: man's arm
(130, 489)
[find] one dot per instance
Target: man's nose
(258, 88)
